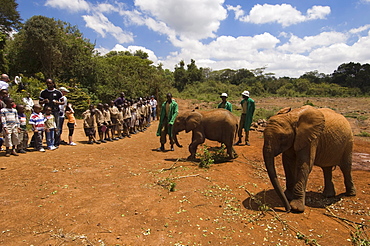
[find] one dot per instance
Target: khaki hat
(224, 95)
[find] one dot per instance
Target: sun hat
(245, 93)
(223, 95)
(63, 89)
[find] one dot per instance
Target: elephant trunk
(174, 135)
(269, 159)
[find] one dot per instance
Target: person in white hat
(225, 104)
(246, 117)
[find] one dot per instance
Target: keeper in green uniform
(169, 111)
(246, 117)
(225, 104)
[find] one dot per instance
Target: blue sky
(289, 38)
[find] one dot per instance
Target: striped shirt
(9, 118)
(38, 120)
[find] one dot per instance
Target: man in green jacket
(246, 117)
(169, 111)
(225, 104)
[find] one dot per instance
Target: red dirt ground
(118, 194)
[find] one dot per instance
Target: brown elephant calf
(217, 125)
(308, 136)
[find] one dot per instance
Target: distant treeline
(47, 48)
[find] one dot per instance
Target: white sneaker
(52, 148)
(42, 150)
(72, 143)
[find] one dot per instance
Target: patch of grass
(359, 237)
(168, 184)
(308, 102)
(261, 113)
(356, 115)
(363, 134)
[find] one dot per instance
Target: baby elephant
(217, 125)
(308, 136)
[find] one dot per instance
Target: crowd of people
(118, 119)
(102, 123)
(113, 121)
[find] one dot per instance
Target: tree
(9, 20)
(180, 76)
(353, 75)
(52, 47)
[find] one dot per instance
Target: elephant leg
(197, 139)
(230, 150)
(346, 168)
(299, 191)
(289, 161)
(329, 190)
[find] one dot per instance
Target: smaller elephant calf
(217, 125)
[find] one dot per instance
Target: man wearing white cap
(225, 104)
(246, 117)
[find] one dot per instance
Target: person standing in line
(62, 113)
(10, 126)
(51, 97)
(100, 120)
(114, 112)
(28, 102)
(71, 123)
(120, 121)
(246, 118)
(23, 134)
(4, 82)
(50, 128)
(153, 104)
(225, 104)
(169, 111)
(37, 121)
(127, 119)
(120, 100)
(89, 123)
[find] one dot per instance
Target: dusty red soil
(118, 194)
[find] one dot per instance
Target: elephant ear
(192, 121)
(284, 110)
(310, 125)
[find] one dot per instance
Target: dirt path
(118, 194)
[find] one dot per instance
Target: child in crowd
(133, 108)
(100, 122)
(71, 123)
(108, 123)
(50, 128)
(90, 124)
(23, 134)
(10, 125)
(120, 121)
(127, 119)
(114, 119)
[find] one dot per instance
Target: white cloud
(237, 10)
(284, 14)
(101, 24)
(318, 12)
(196, 19)
(308, 43)
(70, 5)
(360, 29)
(133, 48)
